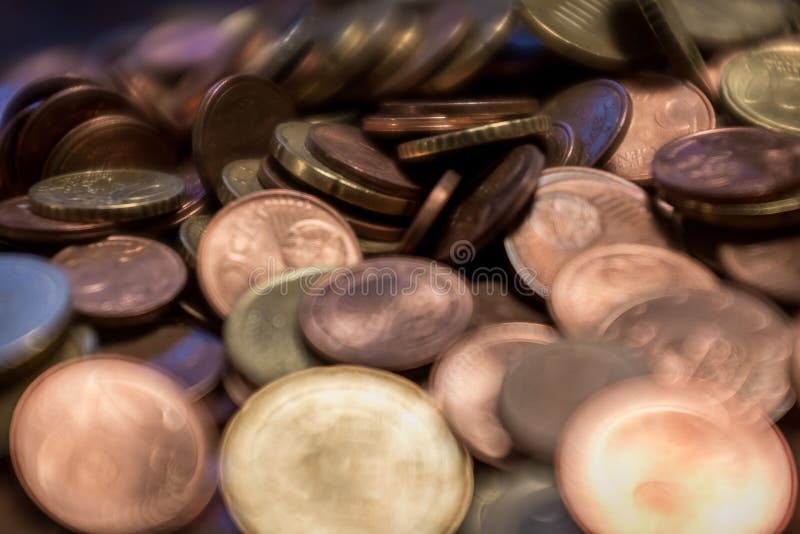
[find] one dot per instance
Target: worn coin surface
(393, 313)
(239, 178)
(358, 434)
(770, 266)
(19, 223)
(264, 234)
(429, 212)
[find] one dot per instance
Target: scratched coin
(263, 235)
(132, 448)
(122, 278)
(239, 178)
(770, 266)
(393, 313)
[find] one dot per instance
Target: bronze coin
(562, 146)
(122, 279)
(397, 126)
(495, 302)
(416, 308)
(9, 135)
(235, 121)
(194, 201)
(345, 149)
(37, 90)
(498, 107)
(18, 223)
(429, 212)
(662, 109)
(260, 236)
(496, 203)
(729, 165)
(110, 142)
(132, 448)
(770, 266)
(598, 112)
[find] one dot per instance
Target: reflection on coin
(19, 223)
(361, 435)
(496, 302)
(260, 236)
(429, 212)
(682, 457)
(125, 439)
(37, 90)
(190, 233)
(393, 313)
(769, 266)
(239, 178)
(562, 147)
(497, 107)
(716, 24)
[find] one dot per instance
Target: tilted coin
(498, 107)
(194, 202)
(562, 147)
(596, 282)
(526, 510)
(576, 208)
(146, 277)
(770, 266)
(262, 235)
(190, 233)
(496, 301)
(403, 43)
(237, 388)
(348, 424)
(466, 383)
(107, 195)
(370, 247)
(100, 426)
(38, 90)
(416, 308)
(389, 126)
(239, 178)
(662, 109)
(19, 223)
(9, 136)
(598, 111)
(771, 215)
(429, 212)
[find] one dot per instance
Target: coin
(127, 434)
(728, 165)
(416, 308)
(496, 107)
(239, 178)
(429, 212)
(196, 360)
(35, 311)
(377, 248)
(19, 223)
(194, 202)
(775, 214)
(190, 233)
(528, 510)
(598, 112)
(759, 87)
(235, 121)
(38, 90)
(726, 336)
(421, 149)
(576, 208)
(347, 424)
(389, 126)
(9, 136)
(178, 45)
(147, 276)
(662, 109)
(681, 456)
(262, 235)
(595, 283)
(495, 302)
(562, 147)
(237, 388)
(770, 266)
(107, 195)
(466, 383)
(402, 44)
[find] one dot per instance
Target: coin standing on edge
(429, 212)
(239, 178)
(189, 234)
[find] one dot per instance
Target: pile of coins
(421, 267)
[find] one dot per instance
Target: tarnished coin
(729, 165)
(235, 121)
(416, 308)
(729, 337)
(497, 202)
(239, 178)
(19, 223)
(429, 212)
(662, 109)
(37, 90)
(770, 266)
(122, 279)
(598, 112)
(680, 456)
(262, 235)
(577, 208)
(190, 233)
(347, 424)
(760, 87)
(107, 195)
(262, 335)
(466, 383)
(35, 310)
(497, 107)
(562, 147)
(112, 430)
(596, 282)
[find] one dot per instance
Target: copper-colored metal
(429, 212)
(19, 223)
(769, 266)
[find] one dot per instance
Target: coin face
(715, 24)
(769, 266)
(595, 283)
(682, 456)
(264, 234)
(239, 178)
(466, 383)
(18, 222)
(429, 212)
(146, 277)
(577, 208)
(132, 448)
(393, 313)
(347, 424)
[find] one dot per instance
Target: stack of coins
(405, 266)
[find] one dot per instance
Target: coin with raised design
(239, 178)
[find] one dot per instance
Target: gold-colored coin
(344, 449)
(764, 215)
(371, 247)
(239, 178)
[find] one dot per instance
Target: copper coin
(263, 235)
(235, 121)
(598, 281)
(9, 135)
(729, 165)
(37, 90)
(122, 278)
(416, 308)
(726, 336)
(429, 212)
(466, 382)
(497, 202)
(132, 448)
(237, 387)
(662, 109)
(110, 142)
(770, 266)
(577, 208)
(194, 202)
(19, 223)
(598, 112)
(345, 149)
(397, 126)
(495, 301)
(643, 456)
(499, 107)
(562, 146)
